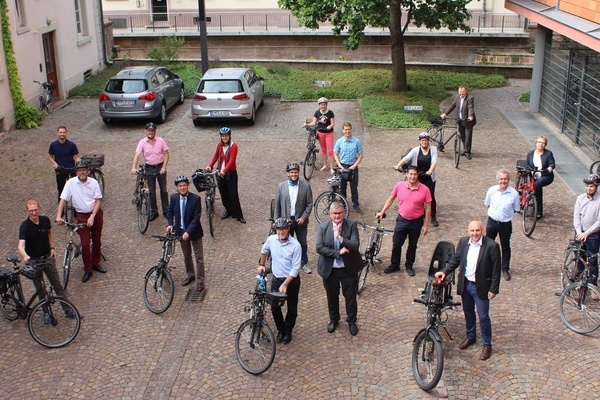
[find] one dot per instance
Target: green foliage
(26, 117)
(525, 97)
(167, 50)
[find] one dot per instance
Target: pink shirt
(411, 202)
(153, 152)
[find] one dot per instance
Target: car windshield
(126, 86)
(233, 86)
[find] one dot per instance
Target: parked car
(141, 93)
(228, 93)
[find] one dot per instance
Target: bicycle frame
(527, 187)
(23, 309)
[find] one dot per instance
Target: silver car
(141, 93)
(228, 93)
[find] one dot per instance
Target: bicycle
(46, 98)
(371, 251)
(255, 344)
(525, 187)
(310, 159)
(72, 250)
(141, 198)
(436, 132)
(575, 254)
(595, 167)
(578, 306)
(324, 200)
(206, 181)
(159, 288)
(53, 321)
(94, 163)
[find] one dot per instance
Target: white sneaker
(306, 269)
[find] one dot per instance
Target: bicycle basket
(276, 299)
(93, 160)
(435, 120)
(202, 180)
(4, 276)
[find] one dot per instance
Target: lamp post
(203, 43)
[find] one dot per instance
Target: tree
(354, 16)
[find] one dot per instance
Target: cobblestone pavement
(124, 351)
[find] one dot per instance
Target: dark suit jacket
(327, 252)
(304, 202)
(547, 161)
(487, 273)
(193, 210)
(468, 109)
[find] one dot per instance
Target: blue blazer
(547, 161)
(193, 211)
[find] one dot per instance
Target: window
(80, 18)
(20, 13)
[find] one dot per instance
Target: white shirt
(293, 191)
(472, 256)
(83, 195)
(537, 163)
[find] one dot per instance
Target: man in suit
(339, 263)
(294, 201)
(478, 260)
(465, 105)
(188, 228)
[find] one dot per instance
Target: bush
(167, 50)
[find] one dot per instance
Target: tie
(460, 108)
(336, 243)
(183, 204)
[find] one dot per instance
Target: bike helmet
(31, 272)
(424, 135)
(282, 222)
(292, 166)
(592, 179)
(81, 164)
(224, 131)
(181, 178)
(151, 126)
(322, 100)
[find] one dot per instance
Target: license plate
(219, 113)
(124, 103)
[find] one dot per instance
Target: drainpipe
(104, 56)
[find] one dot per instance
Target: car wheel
(107, 120)
(181, 96)
(252, 120)
(162, 116)
(197, 122)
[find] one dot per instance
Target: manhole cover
(194, 295)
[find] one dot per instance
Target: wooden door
(50, 62)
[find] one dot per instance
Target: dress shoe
(242, 220)
(153, 217)
(506, 275)
(200, 285)
(188, 280)
(434, 222)
(331, 327)
(98, 268)
(280, 336)
(466, 343)
(486, 352)
(391, 269)
(358, 210)
(469, 156)
(287, 338)
(86, 277)
(353, 328)
(225, 215)
(410, 271)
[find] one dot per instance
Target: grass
(370, 86)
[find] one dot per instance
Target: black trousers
(228, 188)
(504, 230)
(286, 324)
(349, 283)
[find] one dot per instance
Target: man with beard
(63, 155)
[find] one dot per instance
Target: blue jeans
(592, 244)
(353, 186)
(404, 228)
(470, 301)
(300, 232)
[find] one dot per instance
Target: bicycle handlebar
(404, 170)
(75, 226)
(169, 236)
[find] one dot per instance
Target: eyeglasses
(336, 213)
(34, 210)
(541, 142)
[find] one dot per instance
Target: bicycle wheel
(427, 360)
(67, 265)
(457, 143)
(529, 215)
(437, 136)
(144, 211)
(323, 202)
(255, 346)
(362, 275)
(569, 268)
(595, 168)
(99, 176)
(8, 305)
(158, 289)
(578, 308)
(210, 213)
(309, 164)
(50, 103)
(55, 323)
(41, 103)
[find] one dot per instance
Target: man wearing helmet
(285, 254)
(586, 221)
(156, 156)
(183, 216)
(294, 201)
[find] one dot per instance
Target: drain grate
(194, 295)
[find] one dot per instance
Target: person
(324, 119)
(414, 215)
(225, 157)
(586, 222)
(156, 156)
(424, 157)
(541, 159)
(286, 256)
(294, 201)
(465, 105)
(339, 263)
(183, 218)
(84, 192)
(348, 153)
(478, 260)
(63, 156)
(502, 202)
(36, 243)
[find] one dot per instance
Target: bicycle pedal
(317, 150)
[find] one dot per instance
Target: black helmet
(292, 166)
(181, 178)
(81, 164)
(424, 135)
(592, 179)
(151, 126)
(224, 131)
(282, 222)
(31, 271)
